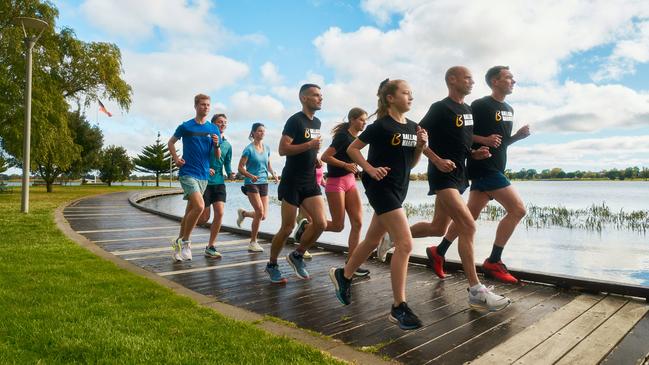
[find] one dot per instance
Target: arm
(272, 172)
(328, 158)
(493, 140)
(354, 152)
(522, 133)
(441, 164)
(171, 145)
(227, 163)
(422, 141)
(288, 149)
(243, 171)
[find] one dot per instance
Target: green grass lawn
(61, 304)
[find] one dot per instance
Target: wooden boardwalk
(544, 325)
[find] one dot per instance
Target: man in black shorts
(493, 123)
(449, 124)
(214, 195)
(300, 143)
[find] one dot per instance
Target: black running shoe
(361, 272)
(404, 317)
(342, 284)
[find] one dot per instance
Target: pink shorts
(340, 184)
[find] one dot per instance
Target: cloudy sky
(582, 67)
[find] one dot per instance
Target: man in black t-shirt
(449, 124)
(493, 122)
(300, 143)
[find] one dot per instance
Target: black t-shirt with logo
(341, 141)
(392, 145)
(450, 131)
(491, 117)
(300, 168)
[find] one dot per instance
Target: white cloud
(250, 108)
(270, 74)
(164, 84)
(627, 53)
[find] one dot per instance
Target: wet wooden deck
(543, 325)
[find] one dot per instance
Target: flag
(102, 109)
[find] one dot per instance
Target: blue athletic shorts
(490, 182)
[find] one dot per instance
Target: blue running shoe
(297, 263)
(342, 284)
(275, 274)
(404, 317)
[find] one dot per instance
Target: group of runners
(460, 142)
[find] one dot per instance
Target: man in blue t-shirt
(201, 140)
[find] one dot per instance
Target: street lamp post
(35, 25)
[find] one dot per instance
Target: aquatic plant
(594, 218)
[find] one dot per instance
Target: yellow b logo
(307, 133)
(459, 120)
(396, 139)
(498, 116)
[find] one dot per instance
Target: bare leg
(258, 206)
(364, 249)
(354, 208)
(510, 200)
(451, 204)
(477, 201)
(219, 208)
(437, 227)
(314, 206)
(288, 213)
(195, 206)
(336, 201)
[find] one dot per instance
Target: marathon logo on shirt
(404, 139)
(311, 133)
(463, 120)
(504, 115)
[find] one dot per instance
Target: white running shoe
(485, 299)
(177, 247)
(384, 246)
(240, 217)
(255, 247)
(186, 251)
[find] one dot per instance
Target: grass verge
(61, 304)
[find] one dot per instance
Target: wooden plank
(525, 341)
(634, 348)
(129, 229)
(199, 269)
(485, 341)
(565, 339)
(599, 343)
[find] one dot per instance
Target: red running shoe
(436, 261)
(498, 271)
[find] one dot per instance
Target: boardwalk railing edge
(561, 281)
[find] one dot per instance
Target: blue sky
(582, 80)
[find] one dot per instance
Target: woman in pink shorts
(340, 187)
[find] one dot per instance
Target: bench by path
(544, 324)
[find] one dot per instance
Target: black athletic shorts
(294, 194)
(381, 197)
(261, 189)
(214, 193)
(455, 179)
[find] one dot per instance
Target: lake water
(611, 254)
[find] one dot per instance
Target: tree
(154, 159)
(90, 138)
(4, 164)
(114, 164)
(65, 70)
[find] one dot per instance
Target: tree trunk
(109, 183)
(48, 186)
(157, 179)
